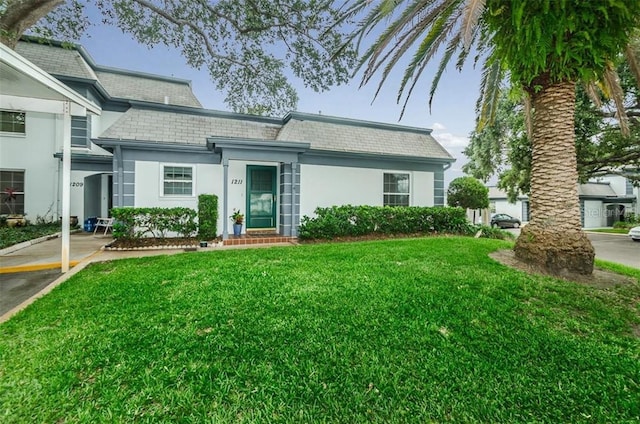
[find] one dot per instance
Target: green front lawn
(413, 330)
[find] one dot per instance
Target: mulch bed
(152, 242)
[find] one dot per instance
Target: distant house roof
(74, 62)
(597, 190)
(321, 132)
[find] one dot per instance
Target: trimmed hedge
(207, 216)
(349, 221)
(132, 223)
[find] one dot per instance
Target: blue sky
(452, 117)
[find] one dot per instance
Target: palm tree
(544, 46)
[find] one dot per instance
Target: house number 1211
(235, 181)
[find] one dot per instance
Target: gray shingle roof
(118, 83)
(171, 127)
(56, 60)
(134, 87)
(596, 189)
(362, 137)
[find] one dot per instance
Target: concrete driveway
(617, 248)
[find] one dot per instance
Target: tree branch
(196, 29)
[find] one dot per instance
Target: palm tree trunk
(553, 240)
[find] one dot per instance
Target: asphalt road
(617, 248)
(17, 287)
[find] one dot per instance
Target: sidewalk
(47, 254)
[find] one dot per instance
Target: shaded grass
(388, 331)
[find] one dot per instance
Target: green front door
(261, 196)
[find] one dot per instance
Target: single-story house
(155, 145)
(602, 202)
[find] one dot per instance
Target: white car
(634, 233)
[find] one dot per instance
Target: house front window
(177, 180)
(396, 189)
(12, 122)
(12, 192)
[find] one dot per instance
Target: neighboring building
(154, 145)
(602, 202)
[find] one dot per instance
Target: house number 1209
(235, 181)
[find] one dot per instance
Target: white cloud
(438, 127)
(449, 140)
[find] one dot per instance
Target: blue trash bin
(90, 224)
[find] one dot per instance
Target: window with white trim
(12, 122)
(396, 189)
(12, 192)
(177, 180)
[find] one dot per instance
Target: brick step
(254, 239)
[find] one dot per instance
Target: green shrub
(348, 220)
(624, 224)
(490, 232)
(207, 216)
(155, 222)
(10, 236)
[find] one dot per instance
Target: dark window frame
(393, 191)
(13, 122)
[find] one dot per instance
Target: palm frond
(612, 82)
(437, 35)
(487, 104)
(528, 114)
(454, 44)
(592, 91)
(472, 13)
(632, 54)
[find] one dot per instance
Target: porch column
(66, 183)
(294, 230)
(225, 198)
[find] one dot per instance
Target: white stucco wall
(513, 209)
(33, 153)
(148, 186)
(594, 214)
(324, 186)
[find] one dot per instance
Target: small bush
(207, 216)
(624, 224)
(349, 221)
(490, 232)
(131, 223)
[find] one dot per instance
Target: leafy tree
(542, 46)
(468, 193)
(249, 47)
(503, 149)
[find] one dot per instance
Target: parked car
(503, 220)
(634, 233)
